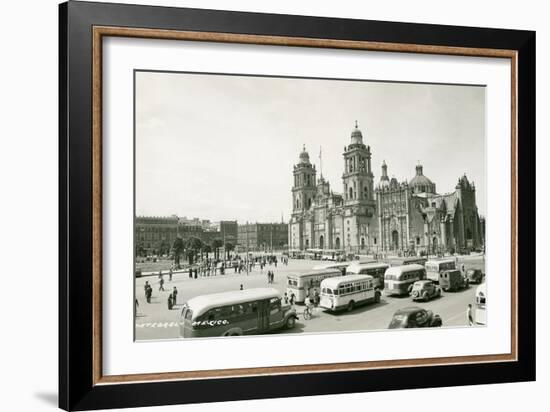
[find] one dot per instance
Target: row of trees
(194, 247)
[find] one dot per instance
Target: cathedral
(394, 216)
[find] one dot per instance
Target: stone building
(413, 216)
(262, 237)
(322, 219)
(407, 216)
(155, 235)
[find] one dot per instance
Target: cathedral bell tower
(305, 184)
(358, 177)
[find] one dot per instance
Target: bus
(302, 283)
(411, 260)
(435, 267)
(342, 266)
(398, 280)
(347, 292)
(375, 269)
(241, 312)
(480, 305)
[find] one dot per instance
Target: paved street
(155, 321)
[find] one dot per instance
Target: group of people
(270, 277)
(148, 290)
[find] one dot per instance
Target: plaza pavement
(155, 321)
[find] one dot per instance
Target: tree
(229, 247)
(178, 247)
(216, 245)
(206, 249)
(193, 246)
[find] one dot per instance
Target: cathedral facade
(394, 216)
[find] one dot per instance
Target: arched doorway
(307, 243)
(434, 243)
(337, 243)
(362, 243)
(395, 240)
(321, 242)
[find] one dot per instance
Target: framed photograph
(256, 205)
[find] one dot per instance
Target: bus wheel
(351, 305)
(290, 322)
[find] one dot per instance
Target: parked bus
(374, 269)
(480, 305)
(411, 260)
(398, 280)
(301, 283)
(342, 266)
(235, 313)
(435, 267)
(347, 292)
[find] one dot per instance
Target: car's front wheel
(290, 322)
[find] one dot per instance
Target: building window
(417, 240)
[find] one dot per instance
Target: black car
(474, 275)
(414, 317)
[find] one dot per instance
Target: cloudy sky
(223, 147)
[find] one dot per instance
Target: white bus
(302, 283)
(241, 312)
(332, 265)
(347, 292)
(374, 269)
(435, 267)
(398, 280)
(480, 305)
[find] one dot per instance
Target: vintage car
(414, 317)
(425, 290)
(452, 280)
(474, 276)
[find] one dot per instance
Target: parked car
(415, 317)
(425, 290)
(452, 280)
(474, 275)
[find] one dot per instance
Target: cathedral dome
(304, 156)
(356, 135)
(421, 183)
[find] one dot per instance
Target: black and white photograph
(287, 205)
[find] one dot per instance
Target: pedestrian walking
(148, 293)
(241, 287)
(161, 283)
(463, 269)
(292, 298)
(268, 276)
(145, 287)
(160, 274)
(469, 315)
(175, 296)
(170, 302)
(272, 277)
(285, 299)
(170, 274)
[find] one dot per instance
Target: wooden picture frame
(82, 385)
